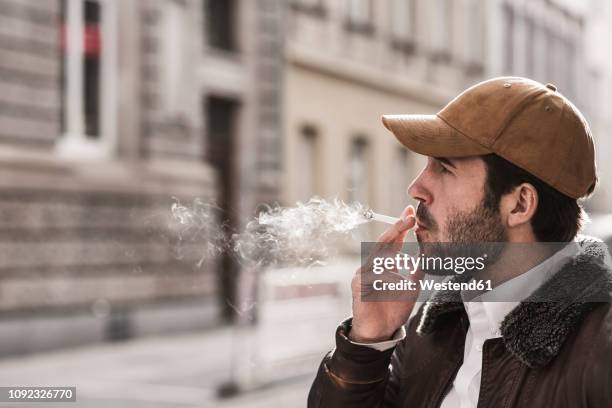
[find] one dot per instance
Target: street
(171, 371)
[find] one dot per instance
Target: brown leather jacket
(551, 354)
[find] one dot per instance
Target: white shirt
(485, 319)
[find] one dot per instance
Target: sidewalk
(299, 310)
(174, 371)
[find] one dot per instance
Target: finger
(408, 221)
(409, 210)
(399, 229)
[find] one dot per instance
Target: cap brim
(431, 136)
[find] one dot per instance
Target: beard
(471, 233)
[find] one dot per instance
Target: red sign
(92, 40)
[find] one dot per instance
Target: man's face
(452, 206)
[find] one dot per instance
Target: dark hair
(557, 218)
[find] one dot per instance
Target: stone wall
(29, 72)
(87, 247)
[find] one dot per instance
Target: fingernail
(405, 220)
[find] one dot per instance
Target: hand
(377, 321)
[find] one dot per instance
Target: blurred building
(108, 110)
(562, 42)
(349, 62)
(543, 40)
(598, 32)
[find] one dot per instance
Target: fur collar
(535, 331)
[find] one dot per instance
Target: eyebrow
(445, 161)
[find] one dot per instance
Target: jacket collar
(535, 331)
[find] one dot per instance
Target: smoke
(304, 235)
(197, 228)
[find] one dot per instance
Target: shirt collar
(524, 284)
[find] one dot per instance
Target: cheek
(452, 197)
(447, 215)
(461, 197)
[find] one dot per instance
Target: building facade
(349, 62)
(543, 40)
(109, 112)
(598, 33)
(111, 109)
(562, 42)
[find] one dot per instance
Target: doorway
(221, 131)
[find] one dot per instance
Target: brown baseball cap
(527, 123)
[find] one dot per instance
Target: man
(507, 161)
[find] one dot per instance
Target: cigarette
(372, 216)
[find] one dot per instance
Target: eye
(442, 169)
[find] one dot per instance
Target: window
(400, 178)
(221, 24)
(314, 8)
(309, 3)
(561, 67)
(529, 48)
(564, 68)
(441, 28)
(91, 68)
(593, 96)
(509, 38)
(360, 15)
(221, 116)
(307, 156)
(570, 55)
(474, 38)
(402, 19)
(359, 184)
(220, 119)
(556, 63)
(539, 54)
(88, 78)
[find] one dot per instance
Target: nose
(418, 191)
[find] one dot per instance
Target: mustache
(424, 217)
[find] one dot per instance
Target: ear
(520, 205)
